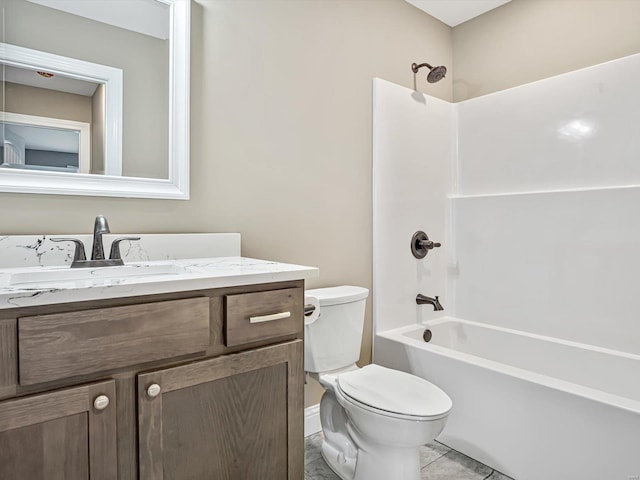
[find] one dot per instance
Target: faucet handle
(420, 244)
(115, 247)
(78, 254)
(428, 244)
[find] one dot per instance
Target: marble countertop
(190, 274)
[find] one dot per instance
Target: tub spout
(423, 299)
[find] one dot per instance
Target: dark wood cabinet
(235, 417)
(209, 385)
(60, 435)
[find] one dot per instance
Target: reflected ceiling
(455, 12)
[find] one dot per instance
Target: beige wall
(527, 40)
(43, 102)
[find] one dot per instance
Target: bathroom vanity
(194, 373)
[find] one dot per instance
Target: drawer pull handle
(153, 390)
(101, 402)
(269, 318)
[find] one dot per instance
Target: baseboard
(312, 420)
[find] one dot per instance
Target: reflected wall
(143, 59)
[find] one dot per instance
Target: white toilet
(374, 419)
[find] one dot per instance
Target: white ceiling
(455, 12)
(60, 83)
(149, 17)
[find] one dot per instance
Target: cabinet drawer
(251, 317)
(64, 345)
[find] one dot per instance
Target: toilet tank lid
(395, 391)
(338, 295)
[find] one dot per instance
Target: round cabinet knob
(101, 402)
(153, 390)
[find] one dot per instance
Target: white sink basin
(66, 274)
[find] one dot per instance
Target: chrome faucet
(100, 227)
(424, 300)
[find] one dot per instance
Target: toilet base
(376, 464)
(336, 462)
(386, 463)
(337, 449)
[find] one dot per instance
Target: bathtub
(532, 407)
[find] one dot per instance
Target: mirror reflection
(47, 122)
(54, 58)
(29, 147)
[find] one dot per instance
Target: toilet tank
(333, 341)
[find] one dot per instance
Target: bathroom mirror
(95, 97)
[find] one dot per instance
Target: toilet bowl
(374, 419)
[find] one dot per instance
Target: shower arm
(415, 67)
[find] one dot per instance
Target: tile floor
(438, 461)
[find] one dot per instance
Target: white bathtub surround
(177, 276)
(545, 214)
(562, 264)
(38, 250)
(576, 130)
(542, 234)
(413, 146)
(529, 406)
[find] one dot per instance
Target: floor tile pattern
(438, 462)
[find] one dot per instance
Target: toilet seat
(384, 413)
(393, 393)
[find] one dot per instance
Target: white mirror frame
(112, 185)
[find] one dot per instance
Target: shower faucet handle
(428, 244)
(420, 244)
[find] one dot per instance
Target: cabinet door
(60, 435)
(236, 417)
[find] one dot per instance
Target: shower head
(436, 73)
